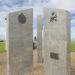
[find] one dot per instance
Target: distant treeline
(2, 40)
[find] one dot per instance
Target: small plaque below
(54, 56)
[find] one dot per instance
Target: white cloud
(13, 5)
(2, 19)
(64, 4)
(73, 33)
(2, 33)
(8, 5)
(73, 22)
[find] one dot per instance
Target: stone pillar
(20, 41)
(39, 38)
(56, 44)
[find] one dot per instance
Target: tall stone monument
(56, 44)
(20, 41)
(39, 38)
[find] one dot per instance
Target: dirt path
(38, 68)
(3, 62)
(72, 63)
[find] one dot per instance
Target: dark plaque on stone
(22, 18)
(53, 17)
(54, 56)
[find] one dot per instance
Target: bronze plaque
(54, 56)
(22, 18)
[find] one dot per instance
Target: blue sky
(7, 6)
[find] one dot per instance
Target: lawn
(2, 47)
(73, 46)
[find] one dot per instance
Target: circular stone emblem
(22, 18)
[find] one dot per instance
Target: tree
(1, 40)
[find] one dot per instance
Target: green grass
(2, 47)
(73, 46)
